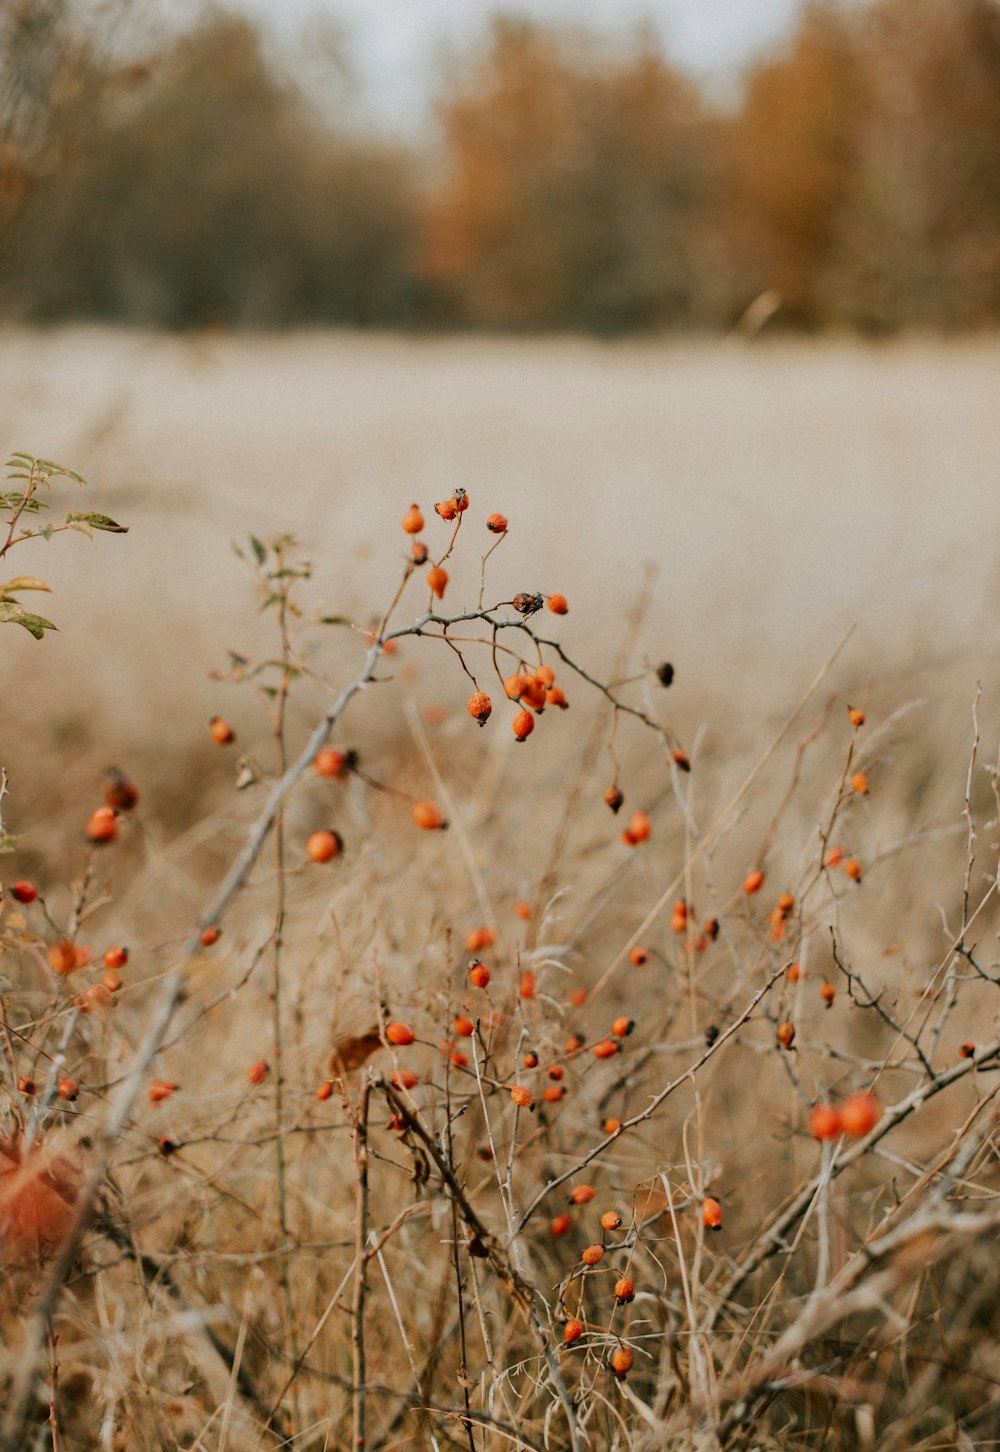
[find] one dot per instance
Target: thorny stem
(240, 870)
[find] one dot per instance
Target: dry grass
(849, 1299)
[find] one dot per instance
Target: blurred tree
(202, 188)
(921, 231)
(570, 186)
(791, 155)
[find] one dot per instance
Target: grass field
(797, 528)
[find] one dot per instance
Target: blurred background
(613, 169)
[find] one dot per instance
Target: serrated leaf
(259, 552)
(24, 582)
(97, 521)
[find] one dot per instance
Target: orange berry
(578, 997)
(554, 696)
(479, 707)
(167, 1147)
(210, 935)
(514, 685)
(711, 1214)
(26, 1085)
(681, 759)
(324, 846)
(544, 675)
(753, 882)
(529, 984)
(859, 782)
(418, 554)
(479, 975)
(638, 829)
(24, 891)
(558, 604)
(614, 798)
(835, 857)
(712, 929)
(69, 1089)
(521, 1096)
(97, 995)
(621, 1362)
(859, 1114)
(967, 1051)
(112, 980)
(853, 868)
(115, 957)
(593, 1255)
(161, 1089)
(638, 957)
(330, 762)
(610, 1220)
(404, 1079)
(856, 716)
(478, 939)
(497, 523)
(258, 1072)
(413, 520)
(624, 1290)
(786, 1034)
(794, 972)
(824, 1121)
(555, 1073)
(221, 731)
(827, 993)
(83, 955)
(523, 910)
(622, 1027)
(463, 1026)
(552, 1093)
(120, 791)
(530, 1060)
(573, 1044)
(523, 724)
(447, 509)
(606, 1048)
(102, 825)
(399, 1034)
(437, 580)
(427, 816)
(324, 1091)
(572, 1331)
(560, 1223)
(582, 1194)
(786, 903)
(62, 957)
(612, 1126)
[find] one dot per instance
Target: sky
(398, 45)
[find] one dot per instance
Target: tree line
(189, 179)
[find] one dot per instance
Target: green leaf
(335, 620)
(13, 614)
(97, 521)
(15, 497)
(259, 552)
